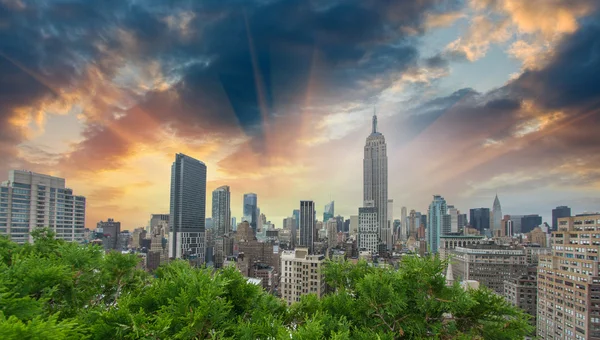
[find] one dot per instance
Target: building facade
(307, 225)
(522, 292)
(450, 242)
(301, 274)
(29, 200)
(329, 211)
(569, 281)
(221, 211)
(497, 216)
(480, 219)
(368, 228)
(437, 218)
(188, 205)
(375, 175)
(489, 264)
(251, 210)
(558, 212)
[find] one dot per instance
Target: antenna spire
(374, 120)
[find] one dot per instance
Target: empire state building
(375, 177)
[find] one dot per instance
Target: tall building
(301, 274)
(462, 221)
(530, 222)
(480, 219)
(568, 281)
(353, 225)
(558, 212)
(414, 221)
(329, 211)
(453, 213)
(221, 211)
(29, 200)
(251, 210)
(437, 218)
(307, 225)
(497, 215)
(188, 207)
(368, 227)
(405, 227)
(390, 213)
(156, 219)
(234, 224)
(375, 175)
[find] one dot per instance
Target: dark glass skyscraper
(480, 218)
(558, 212)
(188, 206)
(307, 225)
(251, 210)
(529, 222)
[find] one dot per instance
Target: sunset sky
(276, 97)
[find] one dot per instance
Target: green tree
(60, 290)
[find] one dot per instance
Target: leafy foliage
(59, 290)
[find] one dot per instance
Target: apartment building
(569, 283)
(301, 274)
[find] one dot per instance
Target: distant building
(438, 220)
(489, 264)
(221, 211)
(368, 225)
(497, 215)
(530, 222)
(558, 212)
(308, 228)
(453, 213)
(568, 281)
(353, 225)
(329, 211)
(480, 219)
(110, 231)
(450, 242)
(29, 200)
(538, 236)
(405, 227)
(301, 274)
(188, 205)
(251, 210)
(522, 292)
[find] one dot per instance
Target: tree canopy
(53, 289)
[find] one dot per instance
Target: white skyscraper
(29, 200)
(375, 176)
(497, 216)
(453, 212)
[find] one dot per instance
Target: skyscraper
(437, 213)
(480, 219)
(329, 211)
(307, 225)
(558, 212)
(29, 200)
(453, 212)
(251, 210)
(404, 221)
(375, 175)
(497, 214)
(221, 211)
(188, 206)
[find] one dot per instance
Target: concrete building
(569, 281)
(558, 212)
(155, 219)
(138, 235)
(331, 228)
(301, 274)
(405, 226)
(29, 200)
(308, 227)
(450, 242)
(353, 225)
(368, 225)
(188, 206)
(453, 213)
(489, 264)
(437, 219)
(158, 253)
(375, 176)
(522, 292)
(221, 211)
(110, 231)
(537, 236)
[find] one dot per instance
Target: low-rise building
(522, 292)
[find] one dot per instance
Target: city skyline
(276, 100)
